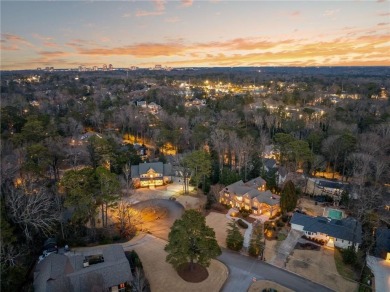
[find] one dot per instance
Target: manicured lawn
(281, 236)
(344, 270)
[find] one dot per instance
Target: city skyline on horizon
(69, 34)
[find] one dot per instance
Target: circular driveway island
(159, 215)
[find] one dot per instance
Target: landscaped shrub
(133, 259)
(242, 224)
(105, 240)
(279, 223)
(219, 207)
(349, 256)
(245, 213)
(234, 238)
(276, 215)
(268, 225)
(285, 218)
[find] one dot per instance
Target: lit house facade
(342, 233)
(151, 174)
(251, 196)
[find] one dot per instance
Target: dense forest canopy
(66, 132)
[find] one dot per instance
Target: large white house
(151, 174)
(336, 233)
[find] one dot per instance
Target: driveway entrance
(286, 248)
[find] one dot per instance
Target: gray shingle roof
(66, 273)
(159, 167)
(256, 182)
(382, 244)
(346, 229)
(268, 198)
(330, 184)
(269, 163)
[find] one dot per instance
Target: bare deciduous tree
(126, 173)
(128, 218)
(33, 208)
(139, 283)
(10, 254)
(218, 138)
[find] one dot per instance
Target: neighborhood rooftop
(60, 272)
(346, 229)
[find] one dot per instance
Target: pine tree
(288, 200)
(191, 241)
(234, 239)
(257, 244)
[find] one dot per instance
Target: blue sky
(66, 34)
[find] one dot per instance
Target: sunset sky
(67, 34)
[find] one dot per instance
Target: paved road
(162, 226)
(242, 269)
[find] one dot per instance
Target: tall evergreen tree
(200, 164)
(289, 198)
(234, 239)
(257, 244)
(191, 241)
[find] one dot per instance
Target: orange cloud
(186, 3)
(139, 50)
(331, 12)
(295, 13)
(141, 13)
(172, 19)
(53, 54)
(159, 9)
(237, 51)
(159, 4)
(14, 42)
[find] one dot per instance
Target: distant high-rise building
(39, 68)
(157, 67)
(94, 68)
(110, 67)
(134, 68)
(104, 67)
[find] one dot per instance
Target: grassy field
(344, 270)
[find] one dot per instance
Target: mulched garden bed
(307, 246)
(196, 275)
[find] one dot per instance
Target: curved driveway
(242, 270)
(162, 226)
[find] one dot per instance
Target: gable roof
(282, 171)
(346, 229)
(268, 198)
(59, 272)
(329, 184)
(143, 168)
(382, 244)
(255, 183)
(269, 163)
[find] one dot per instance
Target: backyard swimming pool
(335, 214)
